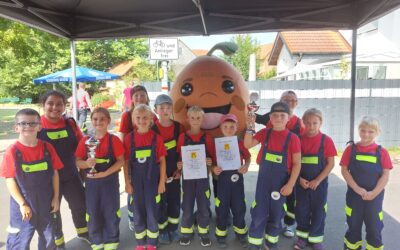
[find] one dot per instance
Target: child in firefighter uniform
(231, 189)
(30, 167)
(102, 183)
(138, 95)
(64, 134)
(170, 204)
(145, 176)
(279, 159)
(196, 189)
(317, 161)
(365, 168)
(296, 126)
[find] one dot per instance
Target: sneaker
(131, 225)
(300, 244)
(163, 238)
(174, 236)
(318, 246)
(184, 241)
(140, 248)
(84, 237)
(150, 247)
(289, 231)
(242, 240)
(205, 241)
(222, 243)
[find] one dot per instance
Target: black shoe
(205, 241)
(222, 243)
(184, 241)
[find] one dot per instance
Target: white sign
(227, 152)
(163, 48)
(194, 162)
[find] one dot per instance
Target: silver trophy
(92, 144)
(252, 107)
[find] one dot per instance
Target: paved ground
(335, 224)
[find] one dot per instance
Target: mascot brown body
(214, 85)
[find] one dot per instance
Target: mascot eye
(228, 86)
(186, 89)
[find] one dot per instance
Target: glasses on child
(27, 124)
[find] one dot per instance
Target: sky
(206, 42)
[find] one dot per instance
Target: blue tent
(82, 75)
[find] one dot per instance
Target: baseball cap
(280, 107)
(163, 98)
(228, 117)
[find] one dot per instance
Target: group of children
(295, 158)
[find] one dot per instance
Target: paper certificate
(227, 152)
(194, 162)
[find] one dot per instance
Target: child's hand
(369, 196)
(313, 184)
(179, 165)
(217, 170)
(360, 191)
(26, 212)
(55, 205)
(97, 175)
(90, 162)
(304, 183)
(243, 169)
(161, 187)
(177, 174)
(128, 188)
(286, 190)
(208, 161)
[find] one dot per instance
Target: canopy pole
(74, 91)
(353, 82)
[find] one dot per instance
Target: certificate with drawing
(194, 162)
(227, 152)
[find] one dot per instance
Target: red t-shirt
(29, 154)
(143, 140)
(102, 148)
(124, 124)
(311, 145)
(385, 157)
(61, 124)
(167, 133)
(291, 124)
(210, 148)
(276, 142)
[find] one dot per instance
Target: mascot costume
(214, 85)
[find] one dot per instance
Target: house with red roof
(293, 51)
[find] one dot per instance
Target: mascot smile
(214, 85)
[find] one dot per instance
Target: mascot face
(214, 85)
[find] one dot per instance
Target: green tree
(241, 59)
(27, 53)
(267, 75)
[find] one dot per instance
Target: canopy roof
(100, 19)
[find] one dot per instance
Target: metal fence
(380, 98)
